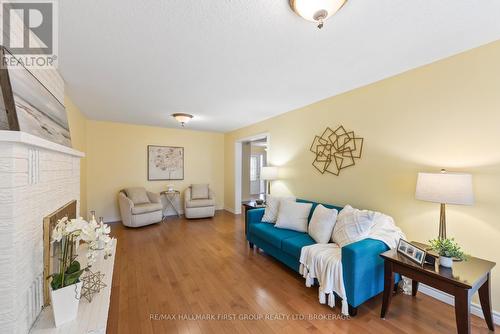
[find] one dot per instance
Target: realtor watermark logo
(30, 33)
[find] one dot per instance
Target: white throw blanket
(324, 261)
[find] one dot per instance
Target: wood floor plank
(200, 276)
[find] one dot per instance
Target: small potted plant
(447, 250)
(65, 286)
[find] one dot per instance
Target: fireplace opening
(52, 251)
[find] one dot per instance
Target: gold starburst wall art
(336, 150)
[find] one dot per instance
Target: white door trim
(238, 144)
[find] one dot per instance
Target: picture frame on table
(412, 252)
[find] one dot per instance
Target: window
(254, 168)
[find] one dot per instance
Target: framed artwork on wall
(28, 106)
(165, 163)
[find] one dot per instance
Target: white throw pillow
(137, 195)
(199, 191)
(352, 225)
(293, 216)
(272, 207)
(322, 223)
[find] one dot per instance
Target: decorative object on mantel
(65, 284)
(445, 188)
(336, 150)
(448, 250)
(30, 107)
(92, 284)
(165, 163)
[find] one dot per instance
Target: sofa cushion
(199, 191)
(293, 216)
(322, 222)
(137, 195)
(271, 234)
(352, 225)
(293, 246)
(273, 204)
(200, 203)
(314, 204)
(146, 208)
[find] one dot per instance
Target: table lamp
(268, 174)
(445, 188)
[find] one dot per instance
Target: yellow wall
(444, 115)
(117, 158)
(77, 125)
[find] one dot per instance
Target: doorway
(250, 156)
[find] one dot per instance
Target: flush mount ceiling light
(316, 10)
(182, 118)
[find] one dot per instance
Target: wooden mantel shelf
(31, 140)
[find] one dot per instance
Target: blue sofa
(363, 268)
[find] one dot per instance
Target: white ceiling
(232, 63)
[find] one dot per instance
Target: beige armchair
(199, 201)
(139, 207)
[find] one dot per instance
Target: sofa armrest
(363, 270)
(125, 201)
(187, 195)
(126, 206)
(154, 197)
(255, 216)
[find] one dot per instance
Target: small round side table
(171, 197)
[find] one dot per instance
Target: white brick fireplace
(36, 178)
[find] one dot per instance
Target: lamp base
(442, 222)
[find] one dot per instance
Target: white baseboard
(108, 220)
(475, 309)
(229, 209)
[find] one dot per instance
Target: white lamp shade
(445, 188)
(269, 173)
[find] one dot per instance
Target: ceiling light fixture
(316, 10)
(182, 118)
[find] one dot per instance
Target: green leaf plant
(448, 248)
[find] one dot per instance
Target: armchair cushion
(200, 203)
(199, 191)
(146, 208)
(154, 197)
(137, 195)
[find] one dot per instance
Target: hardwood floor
(205, 268)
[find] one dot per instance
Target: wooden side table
(172, 197)
(461, 281)
(250, 205)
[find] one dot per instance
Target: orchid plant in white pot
(65, 284)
